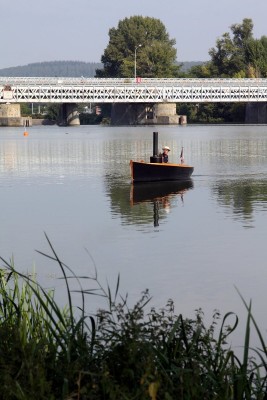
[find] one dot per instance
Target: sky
(59, 30)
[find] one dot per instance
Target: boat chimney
(155, 144)
(155, 158)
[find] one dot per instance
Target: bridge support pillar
(165, 114)
(144, 114)
(69, 115)
(10, 116)
(256, 113)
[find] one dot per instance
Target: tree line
(141, 45)
(236, 54)
(68, 69)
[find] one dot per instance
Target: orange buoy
(25, 133)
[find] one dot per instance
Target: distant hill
(186, 65)
(68, 69)
(54, 68)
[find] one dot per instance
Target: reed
(121, 352)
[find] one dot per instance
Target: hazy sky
(49, 30)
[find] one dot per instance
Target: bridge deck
(121, 90)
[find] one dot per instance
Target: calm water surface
(193, 243)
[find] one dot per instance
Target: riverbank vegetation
(236, 54)
(121, 352)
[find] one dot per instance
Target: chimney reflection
(161, 194)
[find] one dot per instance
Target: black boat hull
(153, 172)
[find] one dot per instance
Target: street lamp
(135, 50)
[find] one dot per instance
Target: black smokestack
(155, 144)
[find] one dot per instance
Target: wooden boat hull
(153, 172)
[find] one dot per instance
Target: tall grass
(121, 352)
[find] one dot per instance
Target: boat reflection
(162, 195)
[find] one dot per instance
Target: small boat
(156, 170)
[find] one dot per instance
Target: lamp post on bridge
(135, 51)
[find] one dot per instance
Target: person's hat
(166, 148)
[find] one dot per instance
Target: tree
(256, 54)
(140, 42)
(239, 55)
(200, 71)
(25, 109)
(228, 58)
(52, 112)
(236, 55)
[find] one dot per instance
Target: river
(194, 244)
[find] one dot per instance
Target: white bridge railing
(127, 90)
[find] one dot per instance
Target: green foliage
(239, 55)
(228, 59)
(41, 346)
(52, 112)
(144, 39)
(188, 65)
(200, 71)
(213, 112)
(236, 55)
(25, 109)
(256, 55)
(122, 352)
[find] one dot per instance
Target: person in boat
(165, 154)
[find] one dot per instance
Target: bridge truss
(145, 90)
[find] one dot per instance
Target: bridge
(128, 90)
